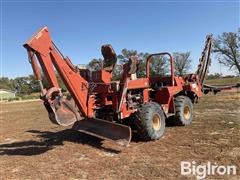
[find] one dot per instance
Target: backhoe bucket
(118, 133)
(62, 111)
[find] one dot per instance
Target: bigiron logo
(201, 171)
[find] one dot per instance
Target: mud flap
(118, 133)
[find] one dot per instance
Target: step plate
(103, 129)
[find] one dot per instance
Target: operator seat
(110, 57)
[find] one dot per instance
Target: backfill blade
(118, 133)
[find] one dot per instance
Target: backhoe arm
(76, 111)
(41, 48)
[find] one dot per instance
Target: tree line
(26, 84)
(159, 65)
(226, 49)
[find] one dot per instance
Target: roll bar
(149, 58)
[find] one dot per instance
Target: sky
(79, 28)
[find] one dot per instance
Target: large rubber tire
(150, 121)
(183, 110)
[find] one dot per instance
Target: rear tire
(150, 121)
(183, 110)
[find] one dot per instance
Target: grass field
(222, 81)
(33, 148)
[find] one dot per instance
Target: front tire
(183, 110)
(150, 121)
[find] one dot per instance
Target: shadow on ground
(47, 140)
(50, 140)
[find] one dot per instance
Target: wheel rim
(186, 112)
(156, 121)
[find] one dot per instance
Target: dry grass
(33, 148)
(223, 81)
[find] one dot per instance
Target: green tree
(182, 63)
(126, 54)
(95, 64)
(159, 66)
(5, 83)
(23, 85)
(227, 48)
(34, 84)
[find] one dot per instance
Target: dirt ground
(33, 148)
